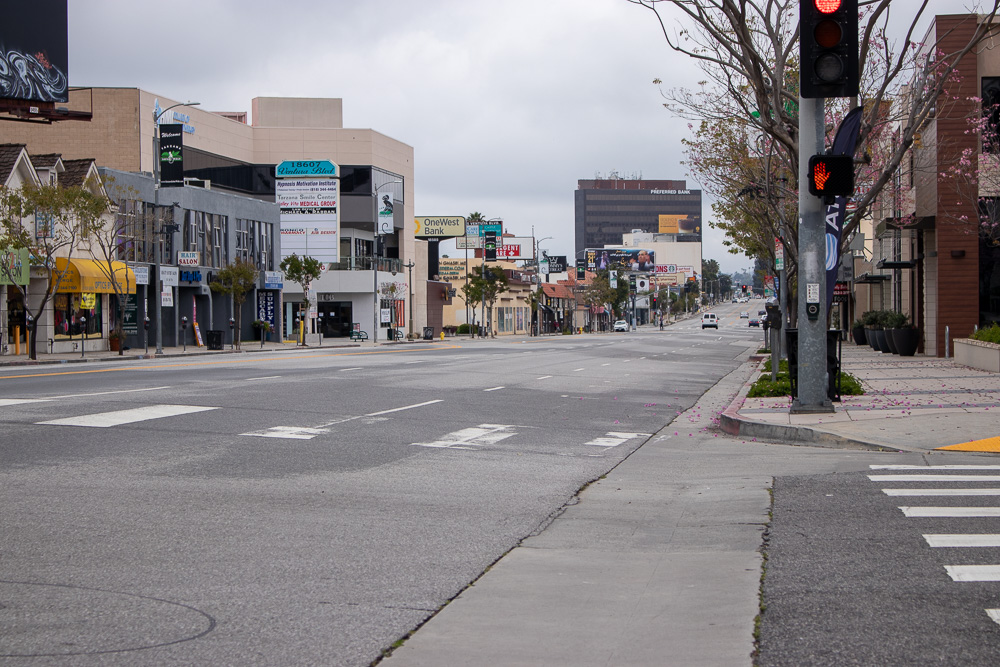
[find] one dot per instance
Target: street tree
(302, 271)
(485, 287)
(236, 280)
(108, 245)
(600, 293)
(748, 103)
(49, 222)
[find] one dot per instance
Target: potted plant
(869, 320)
(906, 338)
(114, 340)
(858, 333)
(893, 320)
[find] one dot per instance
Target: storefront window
(68, 309)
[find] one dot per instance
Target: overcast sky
(506, 103)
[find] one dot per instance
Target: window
(991, 110)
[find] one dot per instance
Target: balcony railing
(364, 263)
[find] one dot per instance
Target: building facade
(221, 152)
(607, 209)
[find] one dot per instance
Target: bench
(395, 334)
(359, 335)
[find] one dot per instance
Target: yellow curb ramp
(987, 445)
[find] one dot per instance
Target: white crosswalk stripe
(471, 438)
(613, 439)
(130, 416)
(958, 473)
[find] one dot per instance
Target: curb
(737, 425)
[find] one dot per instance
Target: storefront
(83, 299)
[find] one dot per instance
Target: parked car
(709, 320)
(754, 322)
(621, 325)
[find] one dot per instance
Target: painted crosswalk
(958, 475)
(129, 416)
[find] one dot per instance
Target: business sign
(267, 308)
(308, 215)
(513, 247)
(274, 280)
(187, 258)
(141, 273)
(439, 227)
(779, 255)
(130, 324)
(34, 58)
(15, 266)
(170, 276)
(557, 263)
(171, 155)
(306, 168)
(666, 268)
(627, 259)
(475, 232)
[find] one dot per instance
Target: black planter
(870, 337)
(858, 333)
(889, 342)
(880, 342)
(906, 341)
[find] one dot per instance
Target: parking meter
(184, 326)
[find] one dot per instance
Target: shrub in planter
(906, 339)
(858, 333)
(990, 334)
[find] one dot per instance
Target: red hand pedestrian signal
(831, 175)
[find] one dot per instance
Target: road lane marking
(942, 492)
(405, 407)
(973, 572)
(614, 438)
(544, 377)
(934, 478)
(969, 540)
(941, 467)
(577, 370)
(117, 391)
(994, 614)
(356, 368)
(493, 389)
(471, 438)
(119, 417)
(267, 377)
(951, 512)
(21, 401)
(289, 432)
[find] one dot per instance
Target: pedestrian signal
(831, 175)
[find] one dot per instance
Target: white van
(709, 320)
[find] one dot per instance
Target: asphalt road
(309, 507)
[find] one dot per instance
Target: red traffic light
(827, 6)
(831, 175)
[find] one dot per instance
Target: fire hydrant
(442, 335)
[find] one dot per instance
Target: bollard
(947, 340)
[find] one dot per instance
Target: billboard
(514, 247)
(309, 224)
(627, 259)
(34, 51)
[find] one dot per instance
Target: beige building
(510, 315)
(223, 151)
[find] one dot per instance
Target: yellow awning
(88, 275)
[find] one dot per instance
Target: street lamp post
(409, 297)
(538, 274)
(166, 229)
(378, 233)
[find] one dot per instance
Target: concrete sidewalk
(910, 404)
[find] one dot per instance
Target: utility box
(213, 339)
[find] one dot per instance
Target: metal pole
(409, 265)
(812, 374)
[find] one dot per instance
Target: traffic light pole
(811, 357)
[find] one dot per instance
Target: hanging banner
(171, 155)
(844, 143)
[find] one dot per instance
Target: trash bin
(428, 333)
(213, 339)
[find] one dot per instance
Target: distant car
(744, 315)
(762, 313)
(709, 320)
(755, 322)
(621, 325)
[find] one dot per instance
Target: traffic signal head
(828, 48)
(831, 175)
